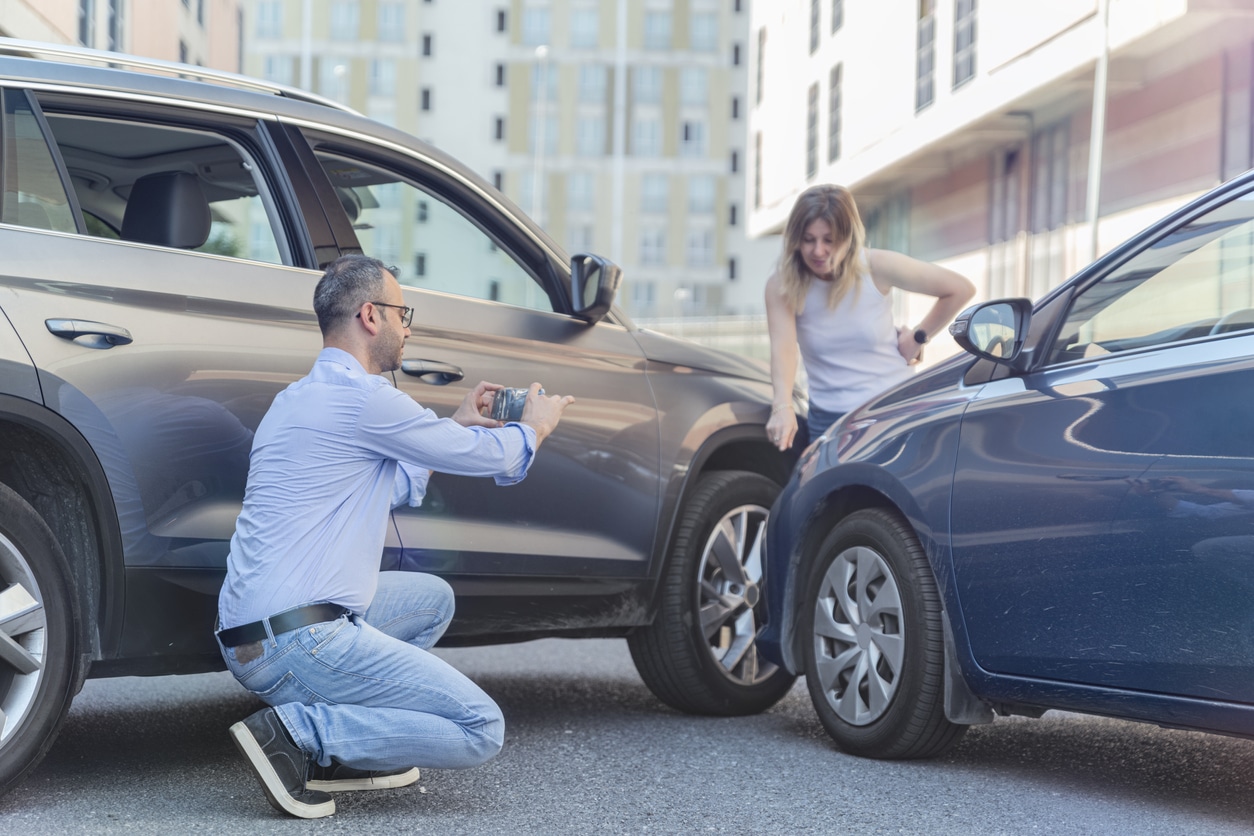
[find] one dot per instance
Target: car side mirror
(993, 330)
(593, 282)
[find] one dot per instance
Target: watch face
(920, 336)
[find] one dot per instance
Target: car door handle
(104, 334)
(432, 371)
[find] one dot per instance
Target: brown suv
(162, 230)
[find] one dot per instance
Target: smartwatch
(920, 336)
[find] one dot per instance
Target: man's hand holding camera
(541, 412)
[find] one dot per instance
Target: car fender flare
(101, 586)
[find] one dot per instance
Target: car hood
(677, 352)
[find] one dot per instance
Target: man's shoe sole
(378, 782)
(274, 789)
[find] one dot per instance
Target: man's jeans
(366, 692)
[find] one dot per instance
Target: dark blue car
(1060, 518)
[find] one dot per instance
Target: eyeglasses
(407, 313)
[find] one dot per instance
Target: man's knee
(487, 736)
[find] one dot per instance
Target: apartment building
(204, 32)
(619, 126)
(966, 128)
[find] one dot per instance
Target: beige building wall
(204, 32)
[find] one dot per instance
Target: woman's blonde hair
(835, 205)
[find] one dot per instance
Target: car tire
(717, 669)
(873, 641)
(41, 664)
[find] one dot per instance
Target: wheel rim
(858, 639)
(23, 633)
(730, 594)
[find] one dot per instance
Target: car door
(1103, 505)
(491, 303)
(160, 282)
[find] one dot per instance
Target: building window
(657, 29)
(498, 128)
(589, 136)
(543, 82)
(703, 37)
(812, 131)
(113, 33)
(182, 51)
(277, 68)
(579, 238)
(701, 189)
(422, 211)
(646, 136)
(925, 54)
(86, 22)
(391, 17)
(646, 84)
(502, 21)
(654, 194)
(731, 214)
(700, 247)
(269, 19)
(653, 247)
(420, 264)
(694, 87)
(535, 26)
(579, 190)
(500, 75)
(814, 25)
(760, 71)
(964, 41)
(731, 269)
(692, 139)
(757, 170)
(383, 78)
(428, 45)
(1048, 202)
(584, 26)
(735, 161)
(736, 55)
(592, 83)
(345, 19)
(498, 180)
(543, 133)
(838, 14)
(735, 107)
(424, 97)
(833, 114)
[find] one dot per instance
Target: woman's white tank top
(850, 352)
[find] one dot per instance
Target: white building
(963, 127)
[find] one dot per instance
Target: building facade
(965, 128)
(204, 32)
(619, 126)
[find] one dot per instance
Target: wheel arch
(46, 461)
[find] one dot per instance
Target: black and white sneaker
(341, 778)
(280, 765)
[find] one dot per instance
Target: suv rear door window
(155, 184)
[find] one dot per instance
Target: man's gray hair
(348, 283)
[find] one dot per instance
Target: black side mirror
(593, 282)
(993, 330)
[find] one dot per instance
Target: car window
(435, 246)
(156, 184)
(33, 193)
(1195, 282)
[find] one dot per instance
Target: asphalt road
(589, 750)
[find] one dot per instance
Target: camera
(508, 404)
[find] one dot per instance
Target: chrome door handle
(103, 334)
(432, 371)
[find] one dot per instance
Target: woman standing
(831, 296)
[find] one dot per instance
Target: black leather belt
(284, 622)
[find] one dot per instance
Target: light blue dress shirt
(337, 450)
